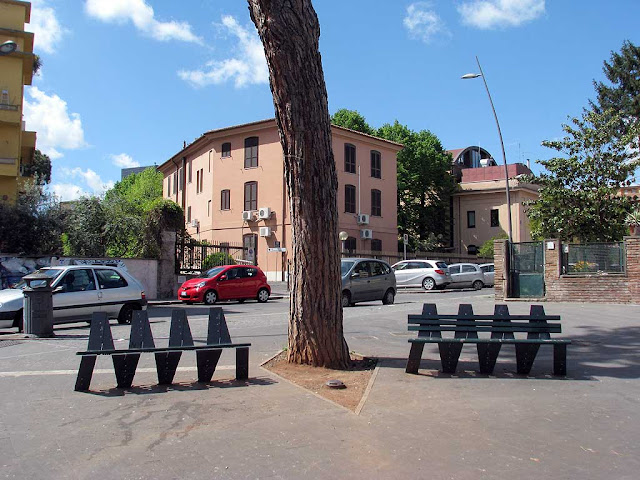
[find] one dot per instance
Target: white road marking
(31, 373)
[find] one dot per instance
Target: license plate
(183, 294)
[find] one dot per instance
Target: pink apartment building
(231, 185)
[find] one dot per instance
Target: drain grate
(9, 343)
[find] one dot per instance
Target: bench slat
(505, 318)
(163, 349)
(498, 323)
(488, 340)
(454, 328)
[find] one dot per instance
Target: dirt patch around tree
(357, 379)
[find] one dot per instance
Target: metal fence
(394, 257)
(579, 259)
(195, 257)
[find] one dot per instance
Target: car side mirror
(355, 275)
(222, 278)
(59, 289)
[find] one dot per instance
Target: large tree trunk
(289, 31)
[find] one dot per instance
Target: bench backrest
(501, 324)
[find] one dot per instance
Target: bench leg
(449, 355)
(242, 363)
(415, 355)
(560, 359)
(166, 366)
(125, 367)
(525, 355)
(85, 372)
(487, 356)
(207, 361)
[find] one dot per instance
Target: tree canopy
(579, 195)
(353, 120)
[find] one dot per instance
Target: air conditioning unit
(363, 219)
(247, 215)
(366, 234)
(194, 223)
(265, 231)
(264, 213)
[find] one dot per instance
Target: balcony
(10, 114)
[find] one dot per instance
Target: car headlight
(201, 284)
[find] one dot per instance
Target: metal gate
(196, 257)
(526, 270)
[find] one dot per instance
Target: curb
(179, 302)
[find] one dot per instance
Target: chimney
(184, 144)
(528, 164)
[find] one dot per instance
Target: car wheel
(126, 314)
(477, 285)
(263, 295)
(241, 300)
(346, 299)
(18, 322)
(210, 297)
(389, 297)
(428, 283)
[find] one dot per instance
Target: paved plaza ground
(431, 425)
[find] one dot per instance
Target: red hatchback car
(228, 282)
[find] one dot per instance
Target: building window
(197, 181)
(4, 97)
(349, 199)
(251, 152)
(209, 208)
(201, 179)
(180, 179)
(226, 149)
(376, 164)
(189, 173)
(376, 203)
(471, 219)
(350, 245)
(349, 158)
(175, 183)
(210, 153)
(169, 186)
(376, 245)
(251, 196)
(188, 214)
(225, 200)
(495, 219)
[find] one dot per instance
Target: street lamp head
(466, 76)
(8, 47)
(343, 235)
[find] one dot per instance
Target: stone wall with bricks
(594, 287)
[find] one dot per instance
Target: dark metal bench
(501, 326)
(167, 358)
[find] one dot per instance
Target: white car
(78, 291)
(489, 274)
(466, 275)
(428, 274)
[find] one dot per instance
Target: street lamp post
(504, 156)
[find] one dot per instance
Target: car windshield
(211, 272)
(345, 266)
(49, 272)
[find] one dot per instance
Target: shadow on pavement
(181, 387)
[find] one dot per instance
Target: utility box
(38, 305)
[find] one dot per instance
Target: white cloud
(67, 191)
(56, 128)
(123, 160)
(141, 14)
(423, 22)
(91, 183)
(249, 68)
(48, 32)
(488, 14)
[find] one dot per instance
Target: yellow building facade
(17, 146)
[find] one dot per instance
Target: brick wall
(596, 288)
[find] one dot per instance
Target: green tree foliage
(163, 215)
(578, 198)
(40, 169)
(353, 120)
(85, 229)
(32, 225)
(486, 250)
(424, 183)
(217, 259)
(622, 92)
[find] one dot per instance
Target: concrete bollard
(38, 305)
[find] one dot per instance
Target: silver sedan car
(466, 275)
(367, 279)
(428, 274)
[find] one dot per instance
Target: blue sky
(125, 82)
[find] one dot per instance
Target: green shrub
(486, 250)
(216, 259)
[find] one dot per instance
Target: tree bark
(289, 30)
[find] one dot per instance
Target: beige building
(17, 146)
(231, 185)
(479, 208)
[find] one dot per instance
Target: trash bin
(38, 305)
